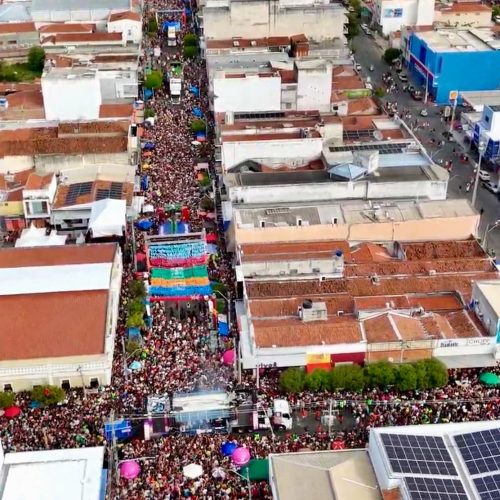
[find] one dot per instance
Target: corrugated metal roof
(54, 5)
(402, 160)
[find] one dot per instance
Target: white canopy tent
(108, 218)
(37, 237)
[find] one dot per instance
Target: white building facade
(391, 15)
(321, 20)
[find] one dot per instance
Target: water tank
(307, 304)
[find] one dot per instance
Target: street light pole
(481, 147)
(487, 232)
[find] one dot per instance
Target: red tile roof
(257, 252)
(36, 181)
(379, 329)
(8, 28)
(294, 332)
(370, 252)
(44, 325)
(67, 28)
(85, 37)
(19, 180)
(120, 16)
(427, 250)
(115, 110)
(382, 302)
(57, 256)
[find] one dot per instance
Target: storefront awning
(468, 361)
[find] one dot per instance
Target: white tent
(108, 218)
(37, 237)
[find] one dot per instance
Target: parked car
(403, 77)
(484, 175)
(492, 187)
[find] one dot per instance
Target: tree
(317, 380)
(136, 306)
(405, 378)
(152, 26)
(379, 92)
(437, 372)
(197, 125)
(207, 204)
(149, 113)
(380, 374)
(133, 346)
(154, 80)
(7, 399)
(391, 54)
(190, 52)
(495, 12)
(137, 289)
(292, 380)
(135, 320)
(347, 377)
(423, 381)
(352, 26)
(36, 59)
(190, 40)
(48, 394)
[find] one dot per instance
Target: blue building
(450, 60)
(487, 129)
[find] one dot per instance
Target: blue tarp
(194, 90)
(201, 137)
(144, 224)
(144, 182)
(197, 112)
(133, 333)
(148, 146)
(122, 429)
(173, 24)
(148, 93)
(223, 329)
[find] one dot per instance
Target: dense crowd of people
(178, 354)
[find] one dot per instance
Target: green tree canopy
(197, 125)
(436, 372)
(132, 346)
(292, 380)
(7, 399)
(154, 80)
(380, 374)
(48, 394)
(190, 51)
(137, 289)
(152, 26)
(347, 377)
(190, 40)
(391, 54)
(136, 306)
(36, 59)
(317, 380)
(405, 378)
(135, 320)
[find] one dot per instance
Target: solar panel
(480, 450)
(488, 487)
(435, 488)
(357, 134)
(385, 148)
(410, 454)
(76, 190)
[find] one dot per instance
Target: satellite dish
(378, 135)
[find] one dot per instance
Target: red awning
(15, 224)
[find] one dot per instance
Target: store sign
(317, 359)
(453, 95)
(448, 343)
(392, 13)
(479, 341)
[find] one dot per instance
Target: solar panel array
(357, 134)
(386, 148)
(259, 116)
(488, 487)
(480, 450)
(411, 454)
(435, 488)
(114, 192)
(77, 190)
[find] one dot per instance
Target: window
(7, 387)
(335, 220)
(65, 385)
(37, 208)
(94, 383)
(288, 105)
(440, 65)
(262, 223)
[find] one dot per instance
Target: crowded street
(177, 354)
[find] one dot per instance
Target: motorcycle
(372, 67)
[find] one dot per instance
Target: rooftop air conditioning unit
(432, 272)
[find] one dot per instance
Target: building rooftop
(84, 193)
(324, 475)
(67, 28)
(100, 137)
(72, 5)
(245, 43)
(8, 28)
(351, 212)
(15, 12)
(52, 256)
(36, 181)
(55, 73)
(491, 291)
(481, 98)
(460, 40)
(463, 7)
(453, 461)
(126, 15)
(70, 474)
(36, 325)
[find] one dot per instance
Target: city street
(368, 51)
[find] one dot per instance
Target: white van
(282, 415)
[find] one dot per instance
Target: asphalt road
(368, 51)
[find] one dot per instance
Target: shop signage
(480, 341)
(449, 343)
